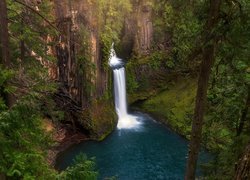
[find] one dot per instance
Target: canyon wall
(78, 51)
(81, 75)
(85, 79)
(137, 36)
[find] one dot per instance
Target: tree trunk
(2, 176)
(194, 147)
(243, 116)
(4, 37)
(4, 33)
(201, 95)
(22, 44)
(243, 166)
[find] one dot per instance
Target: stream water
(150, 151)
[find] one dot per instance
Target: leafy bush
(132, 84)
(22, 142)
(82, 168)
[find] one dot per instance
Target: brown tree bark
(243, 166)
(201, 95)
(243, 116)
(2, 176)
(22, 44)
(4, 37)
(4, 33)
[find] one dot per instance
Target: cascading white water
(120, 92)
(125, 120)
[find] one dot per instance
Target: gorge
(131, 151)
(169, 100)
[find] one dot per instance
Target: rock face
(80, 68)
(78, 19)
(243, 166)
(138, 29)
(77, 23)
(82, 78)
(145, 28)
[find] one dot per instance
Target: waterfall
(120, 92)
(125, 120)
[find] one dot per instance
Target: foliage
(229, 90)
(86, 68)
(23, 142)
(178, 25)
(176, 19)
(82, 168)
(175, 105)
(100, 119)
(5, 75)
(131, 82)
(29, 28)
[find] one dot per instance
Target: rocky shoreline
(64, 137)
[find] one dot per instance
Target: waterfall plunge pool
(149, 151)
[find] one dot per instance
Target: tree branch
(36, 12)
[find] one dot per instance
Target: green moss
(100, 119)
(175, 105)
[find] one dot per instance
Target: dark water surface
(150, 151)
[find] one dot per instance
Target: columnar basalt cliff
(144, 34)
(82, 78)
(138, 29)
(81, 74)
(72, 18)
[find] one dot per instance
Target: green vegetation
(24, 141)
(175, 105)
(183, 23)
(226, 125)
(101, 119)
(82, 168)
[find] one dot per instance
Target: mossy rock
(100, 119)
(175, 105)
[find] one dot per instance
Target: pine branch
(39, 14)
(44, 18)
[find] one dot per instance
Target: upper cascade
(114, 61)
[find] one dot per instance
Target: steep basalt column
(138, 29)
(145, 29)
(80, 69)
